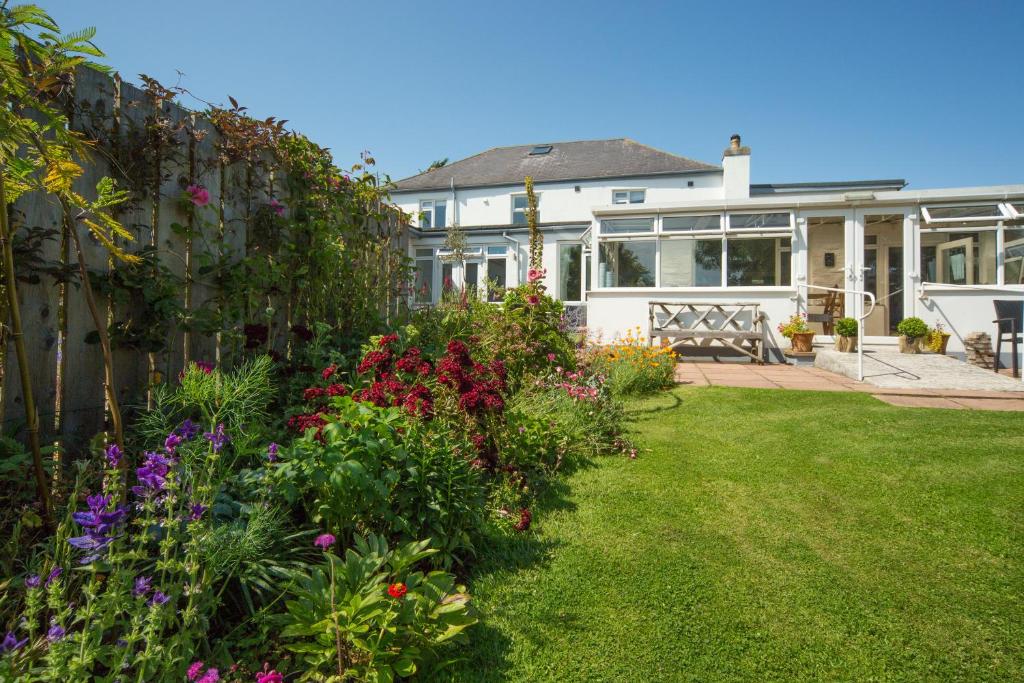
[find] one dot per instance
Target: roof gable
(581, 160)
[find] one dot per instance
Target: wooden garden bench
(739, 327)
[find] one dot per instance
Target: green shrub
(372, 616)
(846, 327)
(380, 470)
(912, 328)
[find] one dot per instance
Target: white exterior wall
(559, 202)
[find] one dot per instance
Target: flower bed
(226, 544)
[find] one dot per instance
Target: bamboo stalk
(31, 413)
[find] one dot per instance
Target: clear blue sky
(928, 91)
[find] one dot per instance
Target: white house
(625, 224)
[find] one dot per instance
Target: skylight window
(540, 150)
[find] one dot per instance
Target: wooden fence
(66, 365)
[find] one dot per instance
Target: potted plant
(912, 331)
(937, 339)
(800, 337)
(846, 335)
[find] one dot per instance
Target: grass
(771, 535)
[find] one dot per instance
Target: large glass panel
(627, 264)
(959, 258)
(894, 295)
(472, 274)
(495, 279)
(424, 282)
(691, 263)
(690, 223)
(570, 276)
(621, 225)
(757, 262)
(1013, 257)
(447, 281)
(519, 204)
(758, 220)
(439, 213)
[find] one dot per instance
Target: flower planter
(846, 344)
(939, 346)
(910, 344)
(802, 341)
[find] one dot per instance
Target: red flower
(397, 590)
(525, 519)
(328, 371)
(312, 393)
(336, 390)
(533, 299)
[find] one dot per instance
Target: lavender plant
(133, 578)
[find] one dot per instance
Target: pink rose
(198, 195)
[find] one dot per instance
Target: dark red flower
(397, 590)
(328, 371)
(525, 519)
(337, 390)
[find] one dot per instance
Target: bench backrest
(675, 315)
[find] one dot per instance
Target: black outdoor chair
(1010, 326)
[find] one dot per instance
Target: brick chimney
(736, 170)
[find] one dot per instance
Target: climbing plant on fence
(234, 231)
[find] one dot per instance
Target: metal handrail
(860, 320)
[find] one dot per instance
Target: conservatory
(942, 255)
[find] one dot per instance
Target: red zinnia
(397, 590)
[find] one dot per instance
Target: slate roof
(580, 160)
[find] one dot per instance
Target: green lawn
(771, 535)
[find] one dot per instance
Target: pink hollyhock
(535, 274)
(533, 299)
(277, 206)
(198, 195)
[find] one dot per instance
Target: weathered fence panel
(155, 149)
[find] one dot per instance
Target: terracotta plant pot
(846, 344)
(802, 341)
(910, 344)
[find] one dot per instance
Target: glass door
(880, 270)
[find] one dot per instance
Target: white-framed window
(965, 213)
(573, 272)
(778, 220)
(625, 226)
(691, 262)
(433, 213)
(627, 263)
(629, 196)
(711, 222)
(497, 272)
(423, 277)
(964, 255)
(519, 205)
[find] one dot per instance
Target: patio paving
(885, 366)
(805, 378)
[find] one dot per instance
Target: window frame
(709, 231)
(430, 258)
(1004, 210)
(772, 228)
(628, 192)
(432, 211)
(512, 204)
(583, 261)
(645, 233)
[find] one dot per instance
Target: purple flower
(32, 581)
(113, 454)
(10, 643)
(196, 511)
(152, 475)
(54, 575)
(324, 541)
(194, 669)
(98, 523)
(277, 206)
(55, 633)
(272, 452)
(159, 598)
(143, 584)
(217, 438)
(211, 676)
(171, 442)
(188, 430)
